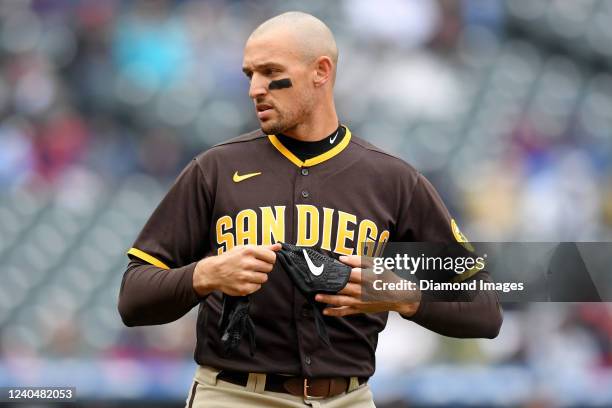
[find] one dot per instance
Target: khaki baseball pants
(207, 391)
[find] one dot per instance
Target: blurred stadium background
(505, 105)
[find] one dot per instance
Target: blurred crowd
(506, 106)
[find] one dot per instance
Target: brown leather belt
(308, 388)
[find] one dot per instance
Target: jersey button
(305, 194)
(304, 172)
(307, 360)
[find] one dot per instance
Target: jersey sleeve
(471, 313)
(423, 215)
(474, 314)
(425, 218)
(177, 233)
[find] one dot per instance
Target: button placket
(303, 184)
(307, 338)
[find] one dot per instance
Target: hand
(349, 300)
(238, 272)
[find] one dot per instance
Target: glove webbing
(235, 322)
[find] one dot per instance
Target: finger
(255, 277)
(340, 311)
(337, 300)
(351, 289)
(367, 262)
(355, 275)
(252, 288)
(351, 260)
(258, 265)
(265, 254)
(274, 247)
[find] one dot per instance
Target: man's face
(269, 57)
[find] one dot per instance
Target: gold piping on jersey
(313, 160)
(147, 258)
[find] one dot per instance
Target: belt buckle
(309, 397)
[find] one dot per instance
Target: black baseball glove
(313, 272)
(310, 271)
(234, 323)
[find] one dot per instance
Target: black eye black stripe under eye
(280, 84)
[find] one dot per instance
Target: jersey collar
(313, 160)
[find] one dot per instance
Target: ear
(324, 69)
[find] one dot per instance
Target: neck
(321, 123)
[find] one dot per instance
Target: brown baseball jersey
(254, 190)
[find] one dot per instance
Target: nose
(258, 86)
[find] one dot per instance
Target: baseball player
(305, 179)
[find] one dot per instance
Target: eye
(271, 71)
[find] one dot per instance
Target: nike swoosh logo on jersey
(315, 270)
(238, 178)
(333, 139)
